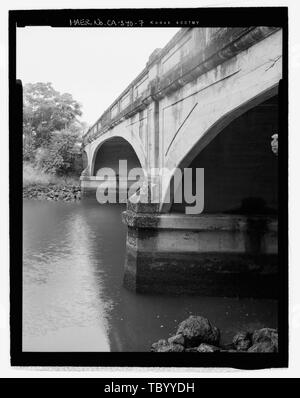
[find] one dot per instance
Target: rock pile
(67, 193)
(197, 334)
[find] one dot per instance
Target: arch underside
(124, 135)
(240, 170)
(110, 152)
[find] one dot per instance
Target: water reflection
(73, 297)
(62, 290)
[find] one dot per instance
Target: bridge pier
(90, 186)
(210, 254)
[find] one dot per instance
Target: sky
(93, 64)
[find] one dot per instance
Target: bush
(28, 150)
(34, 176)
(60, 156)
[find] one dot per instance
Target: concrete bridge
(208, 99)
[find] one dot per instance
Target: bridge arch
(109, 152)
(110, 149)
(225, 145)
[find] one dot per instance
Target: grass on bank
(34, 176)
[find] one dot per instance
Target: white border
(294, 193)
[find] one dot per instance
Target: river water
(73, 297)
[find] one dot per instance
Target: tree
(46, 110)
(51, 130)
(60, 154)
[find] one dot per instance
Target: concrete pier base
(90, 185)
(211, 255)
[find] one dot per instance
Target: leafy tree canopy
(51, 130)
(46, 110)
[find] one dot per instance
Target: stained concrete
(212, 255)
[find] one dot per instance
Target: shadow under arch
(111, 150)
(209, 136)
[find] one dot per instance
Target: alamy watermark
(163, 186)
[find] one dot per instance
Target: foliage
(28, 149)
(59, 155)
(34, 176)
(51, 130)
(46, 110)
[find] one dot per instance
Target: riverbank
(37, 184)
(62, 192)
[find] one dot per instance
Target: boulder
(266, 335)
(177, 339)
(172, 348)
(197, 330)
(165, 346)
(242, 341)
(207, 348)
(191, 349)
(158, 344)
(263, 347)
